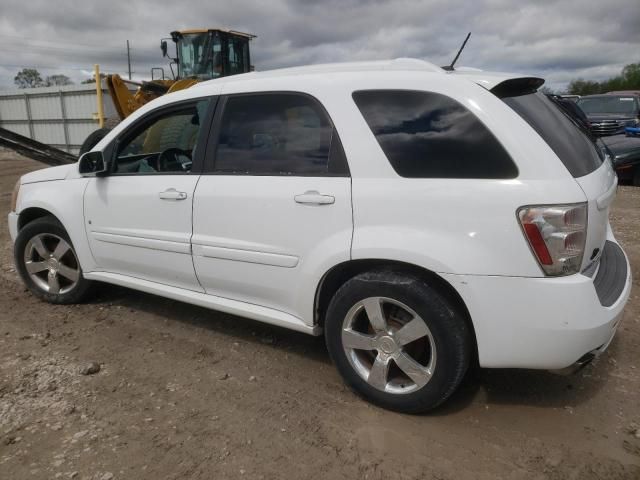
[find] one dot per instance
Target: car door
(273, 211)
(139, 217)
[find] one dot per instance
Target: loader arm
(126, 102)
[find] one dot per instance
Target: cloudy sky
(556, 39)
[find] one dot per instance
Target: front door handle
(172, 194)
(313, 197)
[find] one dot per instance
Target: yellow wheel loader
(200, 54)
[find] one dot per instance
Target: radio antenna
(449, 68)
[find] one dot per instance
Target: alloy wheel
(51, 263)
(389, 345)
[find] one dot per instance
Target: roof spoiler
(514, 87)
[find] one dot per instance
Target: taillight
(557, 235)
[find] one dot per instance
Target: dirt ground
(185, 392)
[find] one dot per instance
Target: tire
(47, 262)
(92, 140)
(176, 134)
(373, 360)
(636, 176)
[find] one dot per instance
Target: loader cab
(209, 54)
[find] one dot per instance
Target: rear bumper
(541, 323)
(584, 360)
(12, 219)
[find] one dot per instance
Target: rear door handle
(172, 194)
(313, 197)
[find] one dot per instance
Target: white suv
(422, 219)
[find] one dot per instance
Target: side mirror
(163, 47)
(92, 163)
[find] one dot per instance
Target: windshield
(200, 56)
(609, 104)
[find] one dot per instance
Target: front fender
(64, 200)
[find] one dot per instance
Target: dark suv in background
(611, 113)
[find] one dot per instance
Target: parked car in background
(570, 108)
(625, 155)
(571, 98)
(624, 92)
(610, 113)
(423, 220)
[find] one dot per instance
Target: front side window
(277, 134)
(164, 144)
(429, 135)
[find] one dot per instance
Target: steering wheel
(169, 160)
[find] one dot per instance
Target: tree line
(629, 79)
(31, 78)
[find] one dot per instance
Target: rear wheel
(47, 262)
(396, 341)
(636, 176)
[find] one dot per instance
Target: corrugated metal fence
(58, 116)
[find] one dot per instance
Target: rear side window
(429, 135)
(574, 148)
(278, 134)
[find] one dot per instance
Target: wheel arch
(333, 279)
(30, 214)
(65, 207)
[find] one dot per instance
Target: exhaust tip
(582, 362)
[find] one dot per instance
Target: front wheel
(48, 264)
(396, 341)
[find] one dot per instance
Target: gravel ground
(184, 392)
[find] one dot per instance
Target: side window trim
(203, 139)
(216, 128)
(111, 151)
(213, 137)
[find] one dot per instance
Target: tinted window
(165, 143)
(575, 149)
(277, 134)
(428, 135)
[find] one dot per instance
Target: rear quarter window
(575, 149)
(429, 135)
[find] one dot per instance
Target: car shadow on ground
(535, 388)
(240, 328)
(538, 388)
